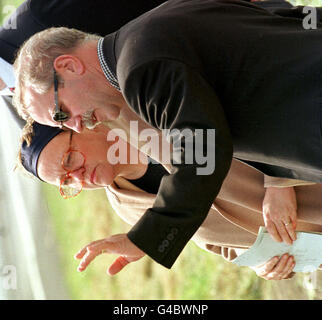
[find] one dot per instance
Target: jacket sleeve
(170, 95)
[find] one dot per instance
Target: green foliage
(313, 3)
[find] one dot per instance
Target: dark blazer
(99, 16)
(252, 74)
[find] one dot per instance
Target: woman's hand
(117, 244)
(280, 213)
(276, 268)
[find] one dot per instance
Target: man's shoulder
(178, 29)
(156, 35)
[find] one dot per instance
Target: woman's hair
(26, 137)
(27, 132)
(35, 60)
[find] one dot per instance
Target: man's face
(81, 103)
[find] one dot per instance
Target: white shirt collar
(111, 78)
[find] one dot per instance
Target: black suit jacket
(99, 16)
(253, 75)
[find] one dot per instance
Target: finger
(271, 228)
(291, 231)
(280, 226)
(82, 251)
(87, 259)
(288, 268)
(267, 267)
(283, 268)
(293, 217)
(109, 246)
(118, 265)
(280, 266)
(291, 275)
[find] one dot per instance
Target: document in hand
(307, 251)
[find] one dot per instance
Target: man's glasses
(59, 115)
(72, 161)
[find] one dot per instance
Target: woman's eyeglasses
(72, 161)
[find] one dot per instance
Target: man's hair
(35, 60)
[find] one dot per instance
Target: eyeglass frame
(58, 115)
(67, 174)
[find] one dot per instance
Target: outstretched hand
(280, 213)
(117, 244)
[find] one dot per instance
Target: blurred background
(40, 232)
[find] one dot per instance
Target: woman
(75, 161)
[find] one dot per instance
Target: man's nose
(78, 174)
(75, 123)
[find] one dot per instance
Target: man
(100, 17)
(250, 74)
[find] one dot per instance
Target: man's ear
(69, 65)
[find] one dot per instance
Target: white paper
(306, 250)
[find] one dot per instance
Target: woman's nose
(78, 174)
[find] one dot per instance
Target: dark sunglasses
(59, 115)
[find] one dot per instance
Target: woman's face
(95, 173)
